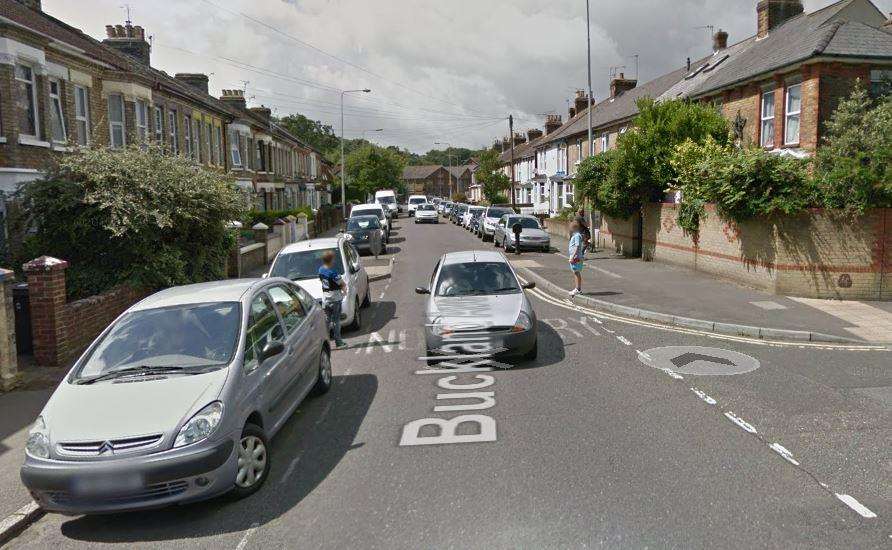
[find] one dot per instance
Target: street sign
(699, 361)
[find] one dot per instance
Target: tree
(136, 216)
(371, 168)
(853, 169)
(493, 180)
(312, 132)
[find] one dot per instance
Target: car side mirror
(271, 350)
(422, 290)
(529, 286)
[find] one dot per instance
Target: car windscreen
(388, 199)
(498, 212)
(192, 336)
(475, 279)
(362, 223)
(525, 223)
(368, 212)
(304, 264)
(417, 201)
(430, 207)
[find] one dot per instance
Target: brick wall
(817, 254)
(621, 236)
(62, 329)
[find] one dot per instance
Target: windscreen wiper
(130, 371)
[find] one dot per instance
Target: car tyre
(253, 462)
(324, 376)
(367, 301)
(533, 353)
(356, 324)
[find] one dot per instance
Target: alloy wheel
(251, 461)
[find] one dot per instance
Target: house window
(220, 146)
(172, 128)
(187, 135)
(82, 115)
(208, 142)
(196, 132)
(246, 150)
(605, 141)
(159, 125)
(116, 121)
(880, 83)
(142, 121)
(234, 142)
(57, 118)
(794, 108)
(259, 159)
(767, 128)
(26, 101)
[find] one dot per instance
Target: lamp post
(448, 146)
(343, 168)
(588, 36)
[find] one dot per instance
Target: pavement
(678, 292)
(742, 444)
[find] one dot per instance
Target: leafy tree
(371, 168)
(493, 180)
(853, 168)
(312, 132)
(136, 216)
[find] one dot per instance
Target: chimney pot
(621, 84)
(552, 123)
(129, 40)
(33, 4)
(720, 41)
(771, 14)
(580, 104)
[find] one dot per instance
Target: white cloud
(438, 70)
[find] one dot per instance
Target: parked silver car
(532, 236)
(426, 213)
(477, 293)
(489, 220)
(177, 399)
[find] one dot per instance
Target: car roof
(369, 216)
(368, 206)
(311, 244)
(470, 256)
(230, 290)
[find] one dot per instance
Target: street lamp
(448, 146)
(588, 35)
(343, 168)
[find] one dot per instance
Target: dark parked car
(366, 234)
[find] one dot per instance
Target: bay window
(116, 137)
(234, 142)
(792, 115)
(142, 121)
(82, 115)
(26, 101)
(159, 125)
(57, 118)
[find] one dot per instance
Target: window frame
(235, 152)
(57, 111)
(112, 124)
(788, 115)
(82, 95)
(605, 141)
(764, 120)
(255, 363)
(158, 115)
(304, 314)
(187, 136)
(34, 106)
(172, 131)
(141, 109)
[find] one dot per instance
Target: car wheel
(367, 301)
(357, 320)
(253, 461)
(323, 379)
(533, 353)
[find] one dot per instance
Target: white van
(387, 199)
(414, 201)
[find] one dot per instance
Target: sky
(447, 71)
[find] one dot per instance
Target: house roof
(459, 171)
(420, 172)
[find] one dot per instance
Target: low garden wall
(817, 254)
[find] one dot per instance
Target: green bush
(853, 168)
(135, 216)
(744, 183)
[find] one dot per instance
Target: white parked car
(426, 213)
(376, 210)
(300, 263)
(387, 199)
(414, 201)
(467, 216)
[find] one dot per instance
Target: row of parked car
(497, 224)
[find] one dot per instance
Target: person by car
(333, 288)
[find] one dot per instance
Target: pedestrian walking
(583, 228)
(576, 252)
(333, 287)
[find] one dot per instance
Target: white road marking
(624, 340)
(560, 325)
(242, 543)
(643, 355)
(672, 374)
(784, 452)
(741, 422)
(584, 322)
(702, 395)
(853, 503)
(290, 469)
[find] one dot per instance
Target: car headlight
(200, 426)
(439, 329)
(348, 236)
(523, 323)
(38, 444)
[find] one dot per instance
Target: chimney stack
(581, 102)
(533, 133)
(33, 4)
(888, 24)
(198, 81)
(621, 84)
(719, 41)
(234, 98)
(552, 123)
(571, 112)
(263, 112)
(773, 13)
(519, 139)
(129, 40)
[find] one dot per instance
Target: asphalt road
(592, 446)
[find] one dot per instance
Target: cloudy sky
(448, 71)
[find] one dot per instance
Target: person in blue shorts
(333, 287)
(576, 253)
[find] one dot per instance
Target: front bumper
(530, 245)
(427, 219)
(507, 344)
(175, 476)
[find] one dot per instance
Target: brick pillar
(261, 235)
(304, 228)
(46, 293)
(9, 372)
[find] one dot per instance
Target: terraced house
(777, 87)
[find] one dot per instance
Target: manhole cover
(700, 361)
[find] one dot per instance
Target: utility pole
(588, 38)
(511, 129)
